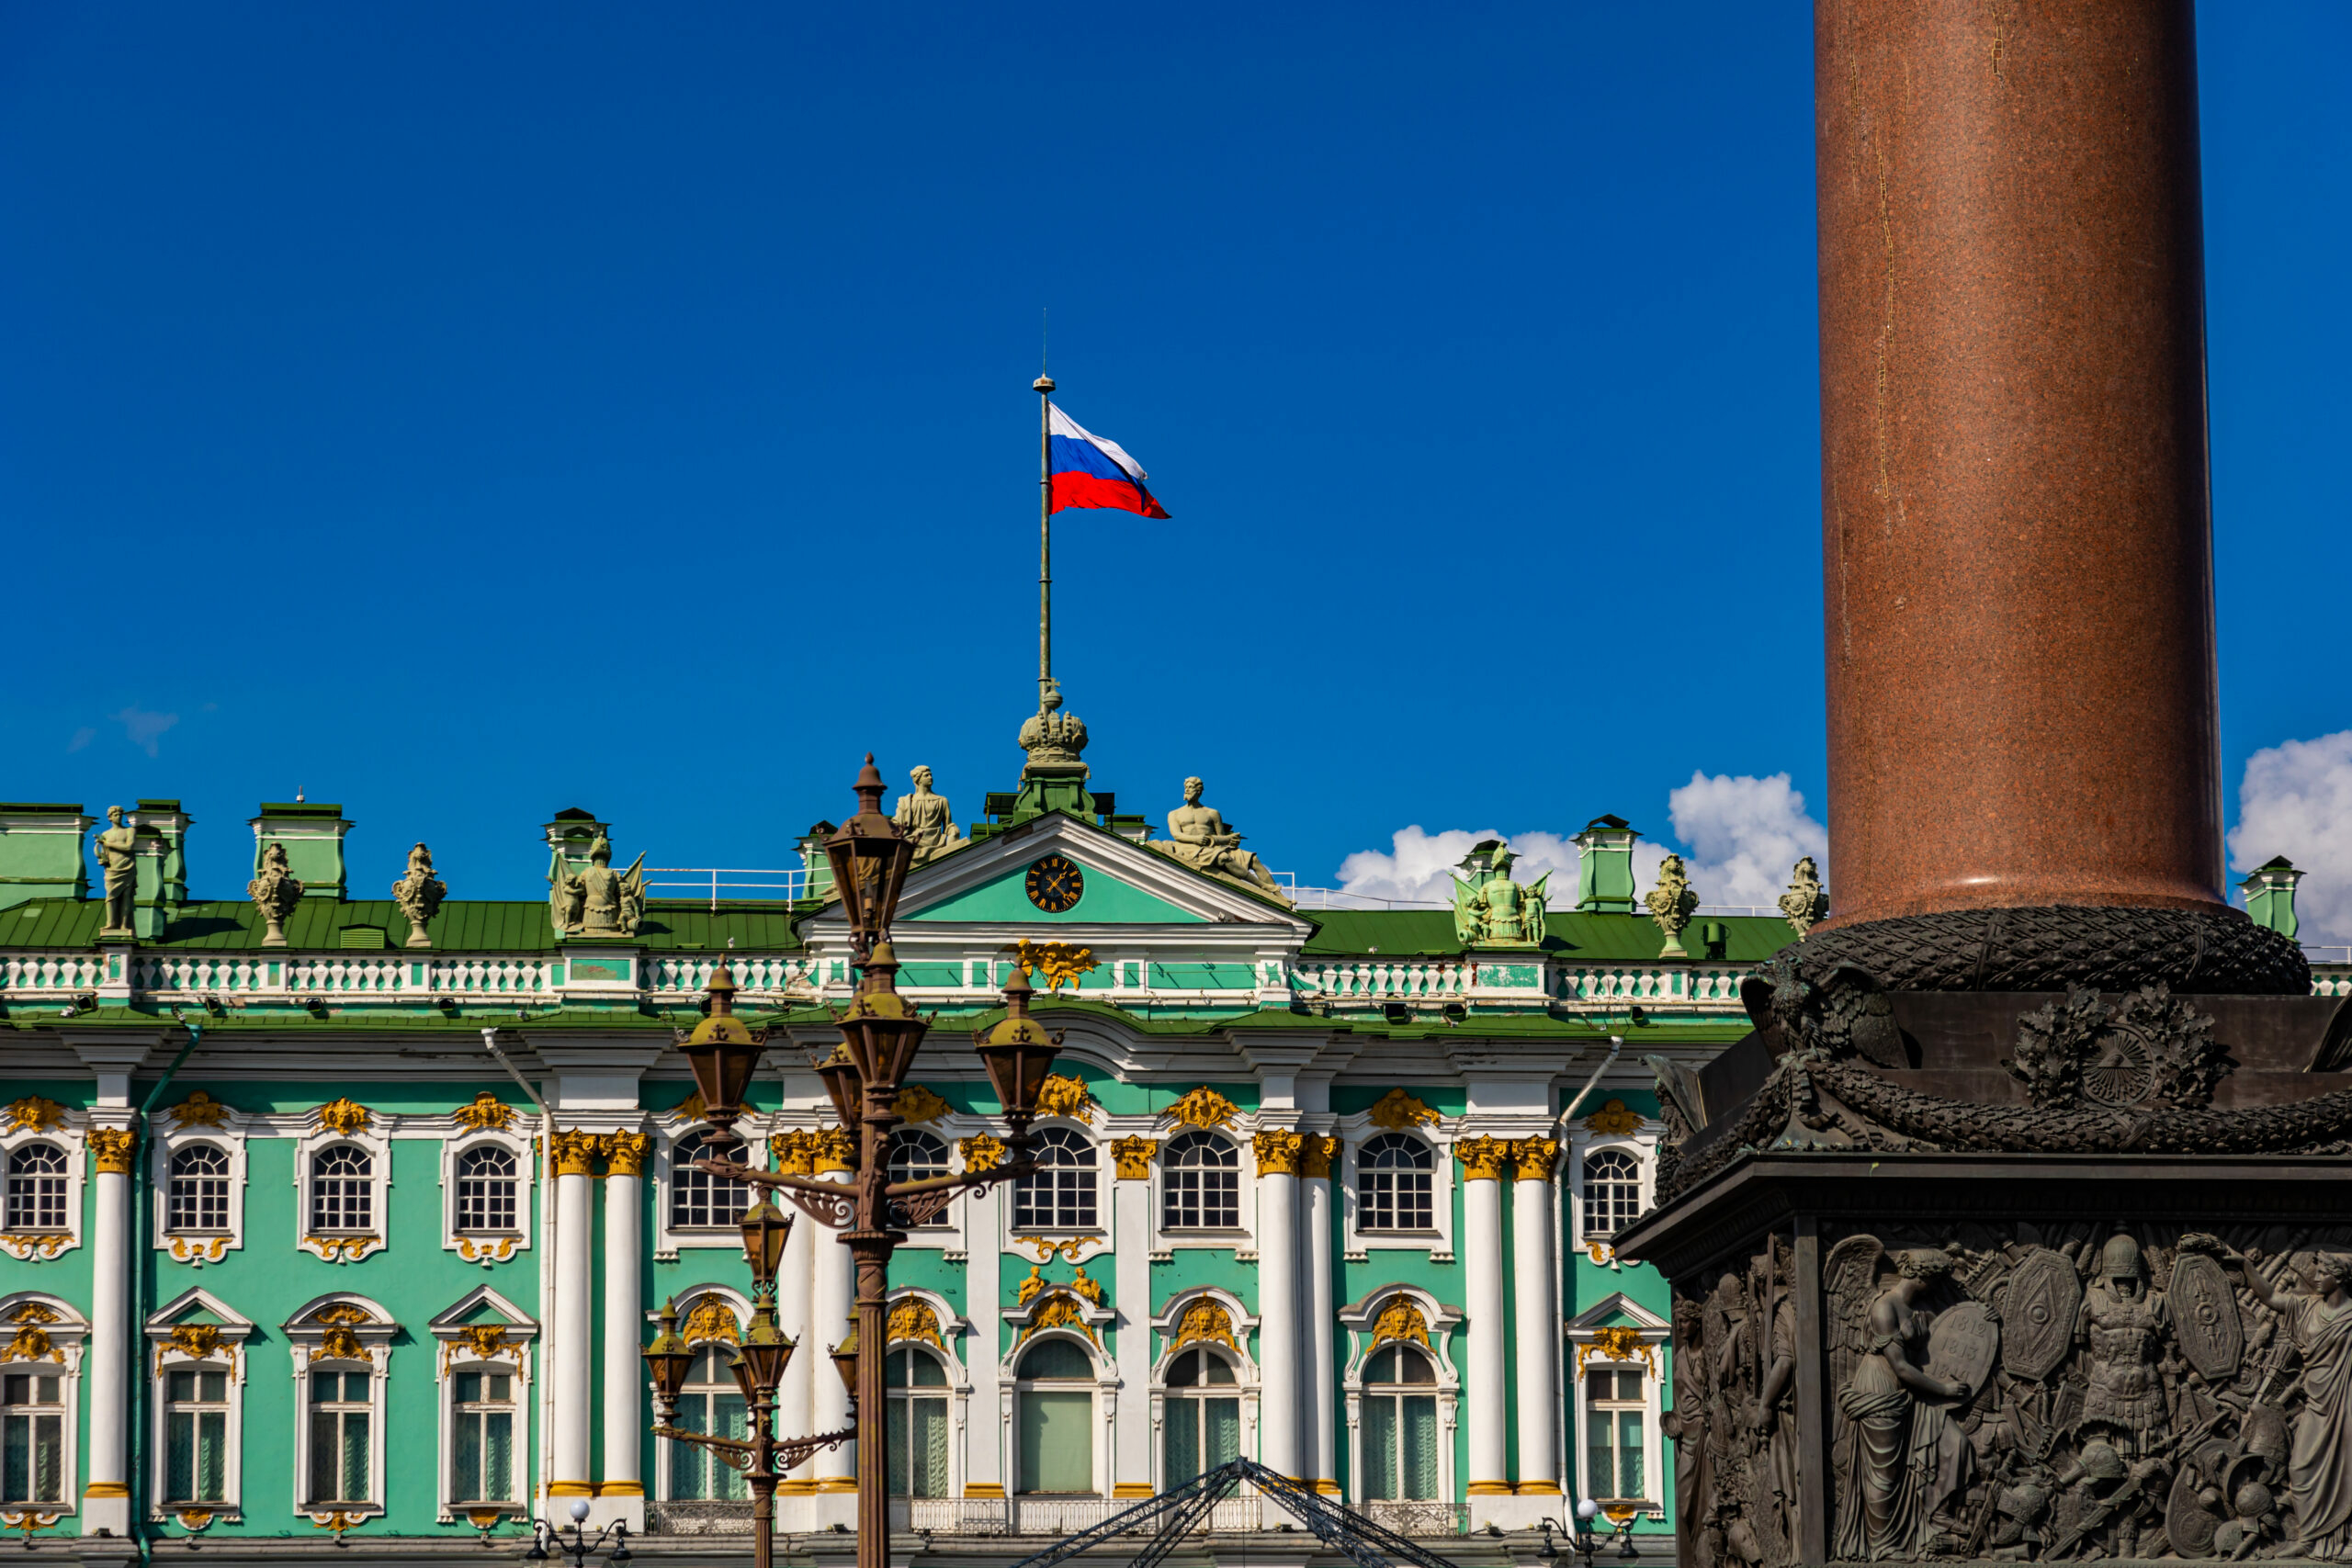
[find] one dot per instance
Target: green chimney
(570, 838)
(43, 851)
(1605, 871)
(313, 839)
(161, 864)
(2270, 896)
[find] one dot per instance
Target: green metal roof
(473, 925)
(1572, 934)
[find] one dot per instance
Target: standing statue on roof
(1491, 909)
(597, 900)
(114, 847)
(928, 819)
(1198, 837)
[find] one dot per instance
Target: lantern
(842, 1082)
(667, 1360)
(869, 855)
(880, 1030)
(845, 1361)
(724, 1051)
(765, 1230)
(759, 1364)
(1018, 1053)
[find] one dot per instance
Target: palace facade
(342, 1220)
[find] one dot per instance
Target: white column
(1131, 1259)
(570, 1364)
(621, 1493)
(1322, 1363)
(796, 1408)
(1534, 1273)
(984, 1304)
(1279, 1426)
(834, 1294)
(1482, 1266)
(106, 1491)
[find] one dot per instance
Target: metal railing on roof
(2328, 952)
(786, 885)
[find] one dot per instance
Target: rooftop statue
(1491, 909)
(1805, 904)
(113, 846)
(418, 895)
(1051, 737)
(598, 901)
(928, 819)
(275, 892)
(1198, 837)
(1671, 903)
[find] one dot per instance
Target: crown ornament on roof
(1052, 738)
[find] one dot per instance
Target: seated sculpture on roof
(597, 900)
(928, 819)
(1198, 837)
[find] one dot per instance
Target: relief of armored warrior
(2123, 1324)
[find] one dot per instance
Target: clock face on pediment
(1055, 884)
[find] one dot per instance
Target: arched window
(343, 1189)
(1613, 1191)
(1395, 1184)
(916, 1156)
(699, 1201)
(711, 1401)
(199, 1195)
(1055, 1393)
(37, 1187)
(340, 1410)
(1060, 1197)
(481, 1436)
(32, 1427)
(1613, 1435)
(1203, 1416)
(918, 1425)
(1201, 1184)
(1399, 1424)
(486, 1190)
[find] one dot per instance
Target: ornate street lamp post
(881, 1034)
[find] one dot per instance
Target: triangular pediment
(481, 1305)
(1618, 1310)
(198, 1305)
(1122, 884)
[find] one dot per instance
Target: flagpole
(1045, 386)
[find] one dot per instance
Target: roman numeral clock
(1055, 884)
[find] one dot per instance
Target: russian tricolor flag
(1089, 470)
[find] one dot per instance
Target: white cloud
(144, 729)
(1742, 835)
(2296, 800)
(1745, 833)
(82, 738)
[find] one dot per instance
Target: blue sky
(466, 412)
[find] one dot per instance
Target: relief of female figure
(1894, 1452)
(2319, 1468)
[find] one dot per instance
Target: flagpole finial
(1042, 384)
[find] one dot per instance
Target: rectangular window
(694, 1475)
(918, 1448)
(196, 1436)
(339, 1413)
(1613, 1408)
(32, 1440)
(1057, 1442)
(482, 1450)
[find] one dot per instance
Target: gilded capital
(1316, 1153)
(1133, 1156)
(575, 1152)
(1531, 1158)
(794, 1153)
(1278, 1151)
(1483, 1158)
(110, 1146)
(625, 1153)
(835, 1150)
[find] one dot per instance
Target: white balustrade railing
(61, 973)
(689, 974)
(1381, 979)
(1638, 982)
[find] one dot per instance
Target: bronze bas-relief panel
(2074, 1391)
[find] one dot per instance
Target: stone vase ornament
(274, 893)
(418, 895)
(1671, 903)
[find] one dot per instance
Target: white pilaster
(834, 1294)
(1279, 1424)
(795, 1396)
(571, 1360)
(105, 1492)
(1322, 1363)
(621, 1493)
(1482, 1267)
(1131, 1221)
(1535, 1271)
(984, 1304)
